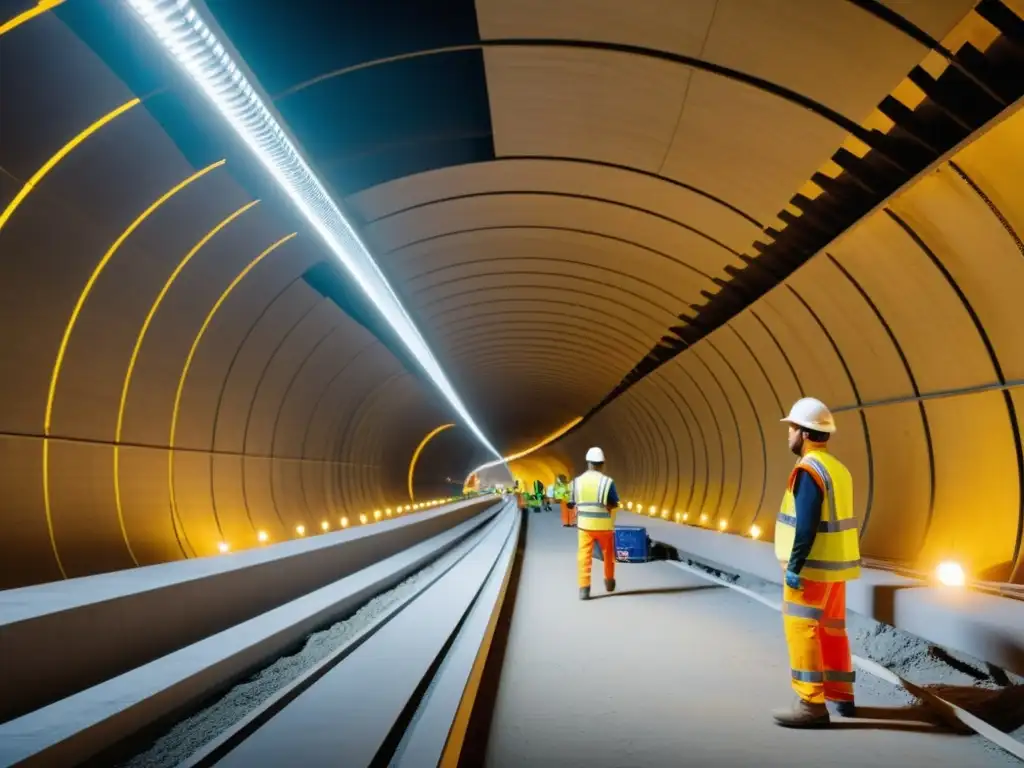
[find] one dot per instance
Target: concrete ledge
(987, 627)
(119, 621)
(82, 726)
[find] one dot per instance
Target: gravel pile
(191, 734)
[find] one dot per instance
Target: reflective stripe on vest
(835, 554)
(590, 492)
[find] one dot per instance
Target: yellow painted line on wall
(37, 10)
(419, 449)
(58, 364)
(191, 356)
(133, 359)
(59, 155)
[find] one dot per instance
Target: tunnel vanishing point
(671, 219)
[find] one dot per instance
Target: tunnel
(649, 226)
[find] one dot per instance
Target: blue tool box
(631, 545)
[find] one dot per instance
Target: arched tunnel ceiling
(581, 202)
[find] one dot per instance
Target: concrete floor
(673, 671)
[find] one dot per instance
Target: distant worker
(549, 495)
(595, 500)
(816, 540)
(537, 499)
(561, 494)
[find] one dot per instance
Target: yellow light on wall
(377, 515)
(703, 519)
(723, 524)
(664, 514)
(325, 526)
(362, 519)
(629, 505)
(639, 509)
(686, 516)
(262, 537)
(42, 6)
(224, 547)
(408, 508)
(344, 522)
(755, 532)
(300, 529)
(419, 449)
(950, 574)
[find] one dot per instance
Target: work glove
(793, 580)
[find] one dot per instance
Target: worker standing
(562, 493)
(817, 542)
(595, 499)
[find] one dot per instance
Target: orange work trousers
(585, 554)
(819, 648)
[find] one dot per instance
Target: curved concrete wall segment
(672, 218)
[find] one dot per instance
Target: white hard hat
(812, 414)
(595, 456)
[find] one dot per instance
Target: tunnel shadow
(657, 591)
(914, 718)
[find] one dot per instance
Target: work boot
(609, 585)
(803, 714)
(584, 593)
(844, 708)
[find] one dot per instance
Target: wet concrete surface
(671, 671)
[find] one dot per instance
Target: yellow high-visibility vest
(835, 554)
(562, 492)
(590, 493)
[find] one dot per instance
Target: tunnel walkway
(673, 670)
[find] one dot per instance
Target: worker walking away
(562, 493)
(595, 500)
(538, 495)
(549, 495)
(816, 540)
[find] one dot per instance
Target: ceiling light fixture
(183, 33)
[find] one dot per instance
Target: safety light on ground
(224, 547)
(325, 526)
(363, 519)
(755, 532)
(262, 537)
(344, 522)
(194, 45)
(300, 529)
(950, 574)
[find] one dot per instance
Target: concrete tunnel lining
(286, 416)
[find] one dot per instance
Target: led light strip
(181, 31)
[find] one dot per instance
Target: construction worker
(816, 541)
(595, 499)
(561, 494)
(537, 497)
